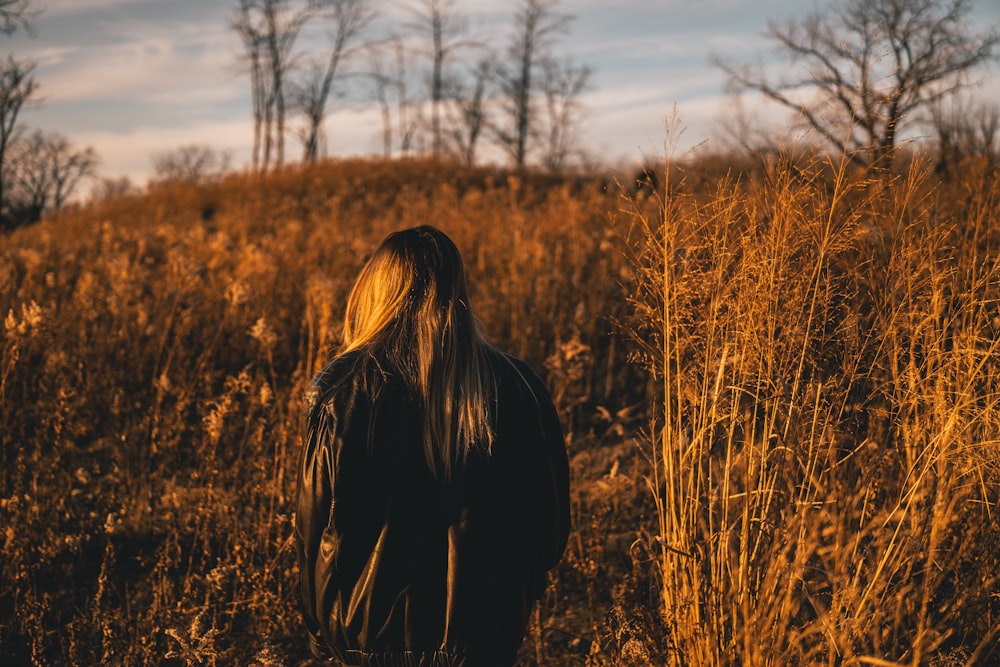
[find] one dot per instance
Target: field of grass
(780, 391)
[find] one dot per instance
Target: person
(434, 486)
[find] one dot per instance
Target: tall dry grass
(824, 445)
(808, 475)
(152, 364)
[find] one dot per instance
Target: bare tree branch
(17, 86)
(251, 35)
(44, 173)
(536, 22)
(467, 115)
(192, 163)
(562, 84)
(389, 76)
(348, 19)
(440, 22)
(870, 64)
(268, 30)
(963, 128)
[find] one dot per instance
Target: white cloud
(67, 7)
(150, 64)
(51, 56)
(117, 69)
(130, 152)
(639, 133)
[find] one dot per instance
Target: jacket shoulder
(338, 375)
(514, 370)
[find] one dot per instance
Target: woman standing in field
(433, 486)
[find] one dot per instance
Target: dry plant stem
(159, 383)
(821, 464)
(828, 396)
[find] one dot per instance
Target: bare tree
(389, 74)
(282, 25)
(17, 86)
(871, 63)
(743, 130)
(381, 85)
(467, 114)
(193, 163)
(251, 34)
(309, 96)
(348, 18)
(562, 84)
(268, 30)
(112, 187)
(45, 171)
(440, 21)
(535, 24)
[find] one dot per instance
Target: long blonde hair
(410, 306)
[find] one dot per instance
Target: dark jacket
(399, 568)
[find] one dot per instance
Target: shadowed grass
(816, 472)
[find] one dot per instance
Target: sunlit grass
(824, 447)
(807, 474)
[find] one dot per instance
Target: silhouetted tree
(192, 163)
(562, 83)
(746, 130)
(440, 23)
(467, 114)
(111, 187)
(536, 22)
(44, 173)
(17, 86)
(872, 64)
(348, 18)
(389, 75)
(282, 24)
(251, 35)
(268, 30)
(13, 15)
(963, 128)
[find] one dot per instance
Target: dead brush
(825, 465)
(823, 437)
(163, 386)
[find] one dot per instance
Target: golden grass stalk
(823, 448)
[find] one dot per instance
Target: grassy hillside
(800, 463)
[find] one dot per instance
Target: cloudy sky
(133, 78)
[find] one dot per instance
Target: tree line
(439, 88)
(39, 170)
(859, 74)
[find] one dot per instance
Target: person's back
(406, 561)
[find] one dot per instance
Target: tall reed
(823, 446)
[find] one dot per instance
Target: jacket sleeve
(312, 514)
(547, 477)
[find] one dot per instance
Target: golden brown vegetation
(825, 443)
(810, 476)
